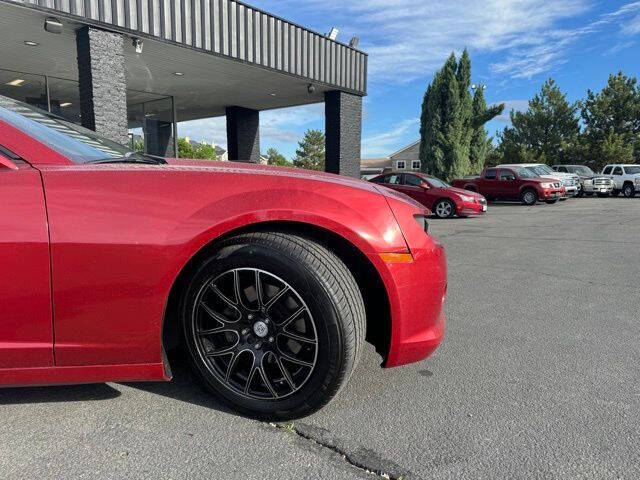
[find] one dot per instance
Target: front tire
(444, 208)
(529, 197)
(628, 191)
(274, 324)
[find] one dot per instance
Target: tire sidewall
(330, 355)
(628, 191)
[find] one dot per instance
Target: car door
(507, 184)
(412, 186)
(26, 336)
(617, 176)
(488, 184)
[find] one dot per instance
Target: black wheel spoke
(224, 351)
(292, 317)
(213, 314)
(266, 380)
(252, 372)
(259, 290)
(276, 297)
(223, 297)
(293, 359)
(285, 373)
(299, 338)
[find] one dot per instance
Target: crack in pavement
(363, 459)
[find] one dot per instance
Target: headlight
(422, 221)
(588, 182)
(546, 185)
(466, 198)
(637, 180)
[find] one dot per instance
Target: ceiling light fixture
(272, 94)
(29, 43)
(15, 83)
(65, 104)
(178, 74)
(53, 25)
(138, 45)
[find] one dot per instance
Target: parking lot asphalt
(538, 377)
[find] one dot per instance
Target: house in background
(405, 159)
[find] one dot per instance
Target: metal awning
(223, 29)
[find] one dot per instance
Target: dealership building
(120, 65)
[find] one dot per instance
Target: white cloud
(407, 39)
(410, 39)
(381, 144)
(517, 105)
(618, 47)
(632, 27)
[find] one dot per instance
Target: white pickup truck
(626, 178)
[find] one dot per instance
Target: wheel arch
(370, 283)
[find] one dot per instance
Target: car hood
(243, 168)
(462, 191)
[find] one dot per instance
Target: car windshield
(581, 170)
(78, 144)
(437, 183)
(632, 170)
(541, 170)
(525, 173)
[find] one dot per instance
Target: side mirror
(5, 162)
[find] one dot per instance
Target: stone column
(343, 130)
(103, 88)
(243, 134)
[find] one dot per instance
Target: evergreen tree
(481, 143)
(274, 157)
(547, 132)
(448, 125)
(612, 122)
(463, 77)
(310, 153)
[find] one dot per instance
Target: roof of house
(375, 162)
(404, 149)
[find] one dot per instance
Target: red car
(270, 278)
(441, 198)
(513, 184)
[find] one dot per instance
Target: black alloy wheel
(274, 324)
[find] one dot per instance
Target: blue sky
(515, 46)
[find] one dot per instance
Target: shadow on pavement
(69, 393)
(184, 387)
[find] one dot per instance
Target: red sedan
(270, 278)
(441, 198)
